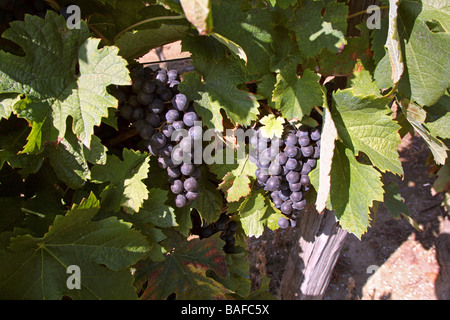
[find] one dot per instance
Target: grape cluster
(283, 168)
(227, 229)
(166, 121)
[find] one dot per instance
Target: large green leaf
(320, 24)
(354, 187)
(364, 124)
(425, 49)
(183, 272)
(36, 268)
(126, 188)
(66, 77)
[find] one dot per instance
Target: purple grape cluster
(160, 113)
(227, 229)
(283, 168)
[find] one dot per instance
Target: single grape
(148, 86)
(291, 140)
(304, 141)
(273, 184)
(172, 115)
(192, 195)
(300, 205)
(291, 151)
(293, 177)
(161, 76)
(275, 169)
(286, 207)
(189, 118)
(178, 125)
(294, 187)
(307, 151)
(144, 98)
(283, 223)
(177, 187)
(146, 132)
(281, 158)
(180, 102)
(172, 74)
(304, 180)
(296, 196)
(158, 140)
(196, 132)
(156, 106)
(187, 169)
(261, 175)
(167, 130)
(173, 172)
(191, 184)
(181, 201)
(315, 134)
(138, 113)
(153, 119)
(292, 164)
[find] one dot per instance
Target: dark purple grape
(261, 175)
(304, 180)
(291, 140)
(291, 151)
(300, 205)
(316, 154)
(281, 158)
(126, 112)
(304, 141)
(197, 173)
(158, 140)
(181, 201)
(283, 223)
(293, 177)
(187, 169)
(192, 195)
(306, 169)
(174, 172)
(315, 134)
(275, 169)
(146, 132)
(148, 86)
(180, 102)
(144, 98)
(156, 106)
(191, 184)
(172, 115)
(286, 207)
(296, 196)
(307, 151)
(172, 74)
(294, 187)
(177, 187)
(167, 130)
(189, 118)
(153, 119)
(161, 76)
(178, 125)
(311, 162)
(292, 164)
(273, 184)
(138, 113)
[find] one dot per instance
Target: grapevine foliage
(86, 177)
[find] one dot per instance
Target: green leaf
(47, 76)
(439, 122)
(155, 211)
(218, 90)
(325, 31)
(272, 126)
(354, 187)
(294, 96)
(125, 188)
(7, 102)
(416, 116)
(135, 44)
(36, 268)
(250, 30)
(198, 12)
(425, 51)
(255, 212)
(70, 158)
(209, 203)
(395, 204)
(364, 124)
(185, 268)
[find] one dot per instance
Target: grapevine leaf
(209, 203)
(234, 47)
(7, 102)
(198, 12)
(218, 90)
(184, 268)
(354, 187)
(125, 177)
(426, 51)
(47, 76)
(236, 175)
(285, 49)
(328, 138)
(155, 211)
(322, 31)
(416, 117)
(439, 122)
(294, 96)
(272, 126)
(249, 30)
(255, 212)
(135, 44)
(395, 204)
(70, 158)
(364, 125)
(101, 249)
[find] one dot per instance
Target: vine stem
(364, 12)
(148, 21)
(318, 110)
